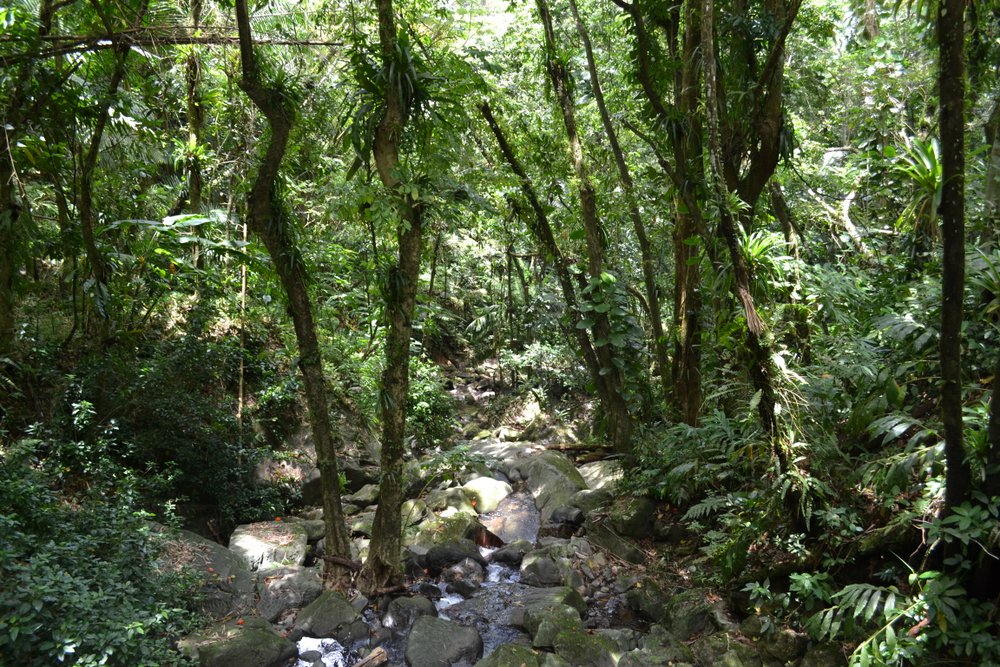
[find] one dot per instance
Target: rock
(785, 645)
(434, 642)
(553, 660)
(464, 577)
(315, 529)
(512, 554)
(688, 614)
(543, 622)
(286, 588)
(227, 587)
(567, 514)
(363, 497)
(625, 639)
(362, 524)
(357, 476)
(581, 649)
(330, 615)
(510, 655)
(721, 650)
(402, 612)
(485, 493)
(312, 488)
(441, 529)
(824, 655)
(445, 555)
(268, 543)
(601, 474)
(412, 512)
(553, 596)
(552, 479)
(636, 517)
(602, 536)
(453, 498)
(548, 567)
(252, 645)
(589, 500)
(664, 646)
(647, 599)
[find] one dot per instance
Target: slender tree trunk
(383, 567)
(951, 83)
(761, 367)
(645, 248)
(266, 219)
(619, 420)
(991, 196)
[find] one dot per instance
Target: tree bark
(612, 387)
(951, 84)
(383, 567)
(266, 219)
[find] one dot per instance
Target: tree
(266, 217)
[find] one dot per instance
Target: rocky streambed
(559, 583)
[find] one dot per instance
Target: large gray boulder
(635, 517)
(435, 642)
(403, 612)
(486, 493)
(269, 543)
(582, 649)
(253, 644)
(510, 655)
(552, 479)
(601, 474)
(287, 588)
(227, 587)
(330, 615)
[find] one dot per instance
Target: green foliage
(79, 583)
(431, 412)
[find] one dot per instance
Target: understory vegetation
(736, 280)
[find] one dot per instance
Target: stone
(511, 554)
(625, 639)
(553, 660)
(549, 567)
(412, 512)
(227, 586)
(363, 497)
(601, 475)
(315, 529)
(581, 649)
(435, 642)
(485, 493)
(824, 655)
(636, 518)
(662, 645)
(439, 529)
(588, 500)
(785, 645)
(543, 622)
(357, 475)
(253, 645)
(647, 599)
(362, 524)
(287, 588)
(464, 577)
(403, 612)
(270, 543)
(445, 555)
(604, 537)
(510, 655)
(567, 514)
(725, 651)
(329, 615)
(552, 479)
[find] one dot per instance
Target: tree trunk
(951, 82)
(266, 219)
(612, 386)
(991, 196)
(383, 566)
(645, 249)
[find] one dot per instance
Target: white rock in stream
(333, 654)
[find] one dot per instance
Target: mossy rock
(510, 655)
(581, 649)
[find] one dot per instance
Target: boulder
(330, 615)
(269, 543)
(227, 587)
(445, 555)
(439, 529)
(824, 655)
(647, 599)
(512, 554)
(452, 498)
(543, 567)
(544, 621)
(691, 613)
(589, 500)
(635, 517)
(603, 536)
(581, 649)
(464, 577)
(253, 644)
(721, 650)
(287, 588)
(552, 479)
(510, 655)
(412, 512)
(485, 493)
(601, 474)
(363, 497)
(403, 612)
(435, 642)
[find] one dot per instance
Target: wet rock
(261, 545)
(552, 479)
(445, 555)
(363, 497)
(512, 554)
(287, 588)
(485, 493)
(434, 642)
(510, 655)
(251, 645)
(824, 655)
(330, 615)
(636, 517)
(403, 612)
(464, 577)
